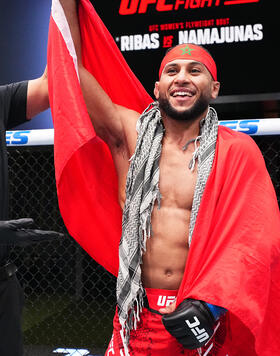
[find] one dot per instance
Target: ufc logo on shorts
(200, 334)
(164, 301)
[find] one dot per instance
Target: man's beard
(191, 114)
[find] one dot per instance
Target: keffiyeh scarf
(142, 190)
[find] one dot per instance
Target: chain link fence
(69, 299)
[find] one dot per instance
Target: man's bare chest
(177, 181)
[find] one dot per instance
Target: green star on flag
(186, 50)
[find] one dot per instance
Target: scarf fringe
(133, 319)
(195, 154)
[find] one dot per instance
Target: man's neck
(180, 132)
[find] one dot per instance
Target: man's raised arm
(109, 119)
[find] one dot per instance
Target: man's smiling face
(185, 89)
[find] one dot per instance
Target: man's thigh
(149, 339)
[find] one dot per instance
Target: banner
(240, 34)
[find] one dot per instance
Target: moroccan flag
(233, 259)
(85, 175)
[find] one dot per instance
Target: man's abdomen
(167, 249)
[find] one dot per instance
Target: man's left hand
(192, 323)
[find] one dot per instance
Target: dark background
(248, 71)
(243, 67)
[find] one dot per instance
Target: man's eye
(171, 70)
(195, 70)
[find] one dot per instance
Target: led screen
(240, 34)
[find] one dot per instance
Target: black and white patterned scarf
(142, 190)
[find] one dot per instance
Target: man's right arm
(111, 122)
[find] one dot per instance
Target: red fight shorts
(152, 339)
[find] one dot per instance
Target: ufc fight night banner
(240, 34)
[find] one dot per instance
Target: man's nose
(182, 76)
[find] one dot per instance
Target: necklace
(195, 153)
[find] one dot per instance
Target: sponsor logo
(72, 352)
(130, 7)
(164, 301)
(17, 137)
(249, 127)
(200, 334)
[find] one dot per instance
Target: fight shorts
(152, 339)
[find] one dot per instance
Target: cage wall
(69, 299)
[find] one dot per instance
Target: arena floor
(41, 350)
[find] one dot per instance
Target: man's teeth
(182, 93)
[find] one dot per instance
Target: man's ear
(156, 90)
(215, 89)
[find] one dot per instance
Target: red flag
(85, 175)
(234, 258)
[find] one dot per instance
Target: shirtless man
(184, 90)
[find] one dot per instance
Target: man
(172, 173)
(18, 102)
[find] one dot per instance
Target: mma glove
(18, 232)
(192, 323)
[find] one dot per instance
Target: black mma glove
(18, 232)
(192, 323)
